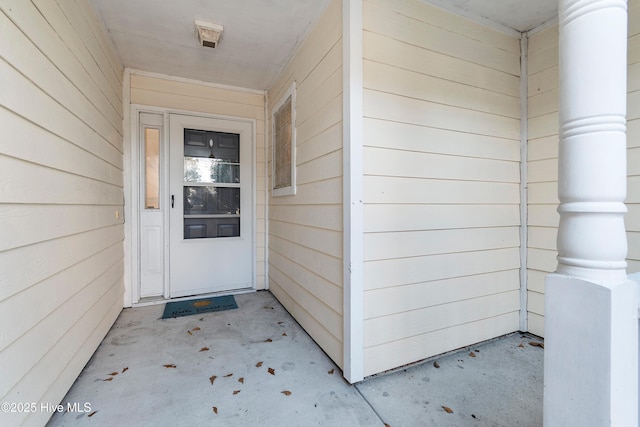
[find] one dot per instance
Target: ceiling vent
(208, 33)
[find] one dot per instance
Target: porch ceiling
(259, 36)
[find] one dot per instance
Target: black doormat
(199, 306)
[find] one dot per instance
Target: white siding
(193, 96)
(632, 219)
(305, 230)
(61, 192)
(442, 173)
(542, 179)
(543, 161)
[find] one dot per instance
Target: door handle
(172, 200)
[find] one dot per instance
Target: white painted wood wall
(632, 219)
(543, 160)
(61, 196)
(542, 169)
(305, 230)
(442, 174)
(165, 92)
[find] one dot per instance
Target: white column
(591, 308)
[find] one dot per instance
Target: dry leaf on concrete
(236, 392)
(536, 344)
(268, 340)
(436, 364)
(241, 380)
(125, 370)
(447, 409)
(169, 365)
(204, 349)
(258, 364)
(212, 378)
(472, 354)
(286, 392)
(215, 410)
(331, 372)
(228, 375)
(271, 371)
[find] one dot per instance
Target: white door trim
(132, 205)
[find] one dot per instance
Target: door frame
(132, 166)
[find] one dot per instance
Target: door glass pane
(152, 168)
(211, 184)
(211, 201)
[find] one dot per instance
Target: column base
(591, 353)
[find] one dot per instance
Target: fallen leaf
(92, 414)
(189, 332)
(271, 371)
(196, 328)
(284, 334)
(215, 410)
(204, 349)
(436, 364)
(521, 345)
(212, 378)
(286, 392)
(331, 372)
(386, 425)
(241, 380)
(108, 379)
(268, 340)
(472, 354)
(125, 370)
(113, 374)
(169, 366)
(228, 375)
(258, 364)
(236, 392)
(447, 410)
(536, 344)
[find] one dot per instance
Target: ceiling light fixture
(208, 33)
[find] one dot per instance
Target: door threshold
(144, 302)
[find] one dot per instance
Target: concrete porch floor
(269, 372)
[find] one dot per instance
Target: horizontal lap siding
(542, 168)
(191, 96)
(632, 219)
(61, 241)
(305, 229)
(441, 182)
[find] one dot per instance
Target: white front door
(210, 214)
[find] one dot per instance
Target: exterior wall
(61, 192)
(305, 229)
(632, 219)
(542, 170)
(543, 161)
(441, 184)
(192, 96)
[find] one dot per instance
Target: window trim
(290, 189)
